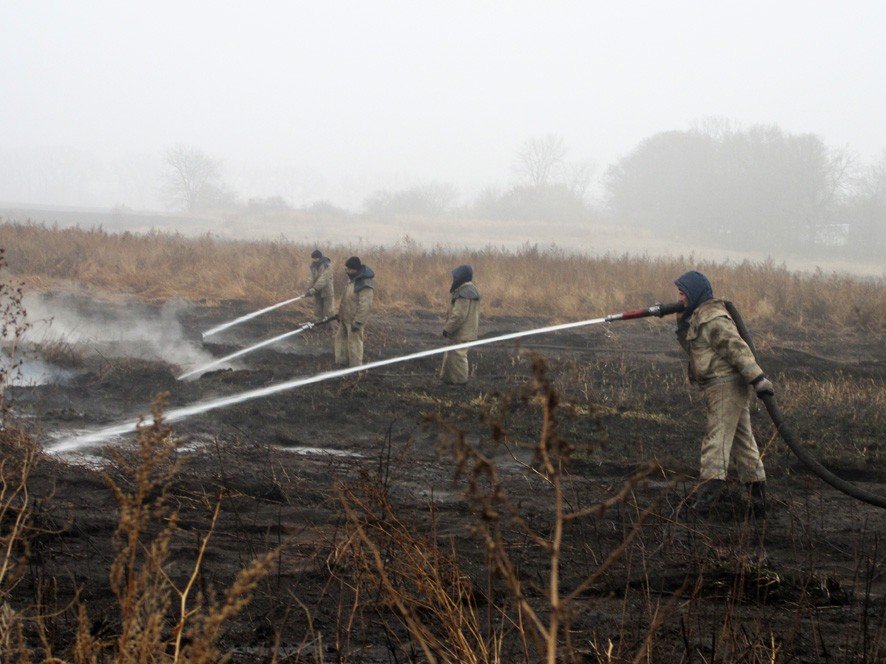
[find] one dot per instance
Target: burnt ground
(807, 583)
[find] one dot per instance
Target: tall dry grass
(544, 282)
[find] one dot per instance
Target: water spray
(260, 344)
(660, 310)
(237, 321)
(87, 439)
(244, 351)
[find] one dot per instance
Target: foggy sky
(317, 100)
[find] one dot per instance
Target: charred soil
(301, 470)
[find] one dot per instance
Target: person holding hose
(722, 364)
(462, 323)
(321, 288)
(353, 312)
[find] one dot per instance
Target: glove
(310, 292)
(356, 327)
(445, 334)
(763, 386)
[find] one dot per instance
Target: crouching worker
(321, 288)
(462, 323)
(353, 312)
(723, 366)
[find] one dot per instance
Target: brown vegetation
(158, 619)
(534, 281)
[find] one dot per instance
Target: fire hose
(785, 431)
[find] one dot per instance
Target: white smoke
(113, 329)
(27, 371)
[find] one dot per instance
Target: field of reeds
(535, 281)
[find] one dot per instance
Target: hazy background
(750, 128)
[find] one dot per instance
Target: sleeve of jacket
(458, 313)
(323, 280)
(728, 344)
(364, 304)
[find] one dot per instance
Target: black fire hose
(786, 433)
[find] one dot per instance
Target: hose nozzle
(657, 309)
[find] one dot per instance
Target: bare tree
(578, 176)
(190, 174)
(539, 158)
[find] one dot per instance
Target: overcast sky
(338, 98)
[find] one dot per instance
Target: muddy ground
(807, 583)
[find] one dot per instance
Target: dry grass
(152, 626)
(844, 417)
(549, 283)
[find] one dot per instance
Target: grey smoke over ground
(25, 369)
(113, 329)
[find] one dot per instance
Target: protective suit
(321, 287)
(462, 324)
(353, 312)
(723, 366)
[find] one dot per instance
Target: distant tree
(325, 210)
(577, 177)
(755, 187)
(191, 178)
(268, 203)
(554, 202)
(866, 212)
(539, 159)
(661, 184)
(432, 199)
(549, 187)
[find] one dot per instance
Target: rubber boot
(757, 494)
(708, 496)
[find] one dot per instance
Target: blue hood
(461, 275)
(697, 288)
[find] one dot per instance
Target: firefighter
(722, 364)
(462, 323)
(321, 288)
(353, 312)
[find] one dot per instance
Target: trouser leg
(745, 454)
(341, 345)
(327, 308)
(355, 347)
(455, 368)
(724, 410)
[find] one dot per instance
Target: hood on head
(697, 289)
(461, 275)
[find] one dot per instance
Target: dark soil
(808, 581)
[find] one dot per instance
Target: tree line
(752, 188)
(757, 187)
